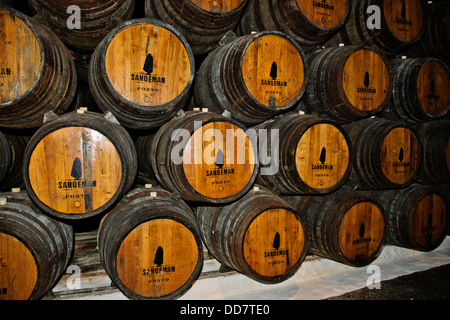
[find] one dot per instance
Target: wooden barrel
(387, 154)
(421, 90)
(12, 155)
(435, 40)
(345, 226)
(77, 165)
(401, 25)
(97, 19)
(150, 245)
(37, 73)
(155, 75)
(253, 77)
(310, 23)
(418, 217)
(203, 156)
(435, 139)
(347, 83)
(311, 155)
(260, 236)
(35, 249)
(202, 22)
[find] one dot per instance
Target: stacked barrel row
(263, 130)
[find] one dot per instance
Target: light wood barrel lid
(75, 170)
(325, 14)
(361, 231)
(20, 54)
(217, 6)
(18, 269)
(147, 64)
(322, 156)
(429, 220)
(157, 258)
(273, 242)
(219, 160)
(273, 70)
(366, 80)
(404, 18)
(399, 155)
(433, 88)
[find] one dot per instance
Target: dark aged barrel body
(37, 73)
(150, 245)
(259, 235)
(254, 77)
(12, 149)
(202, 22)
(435, 40)
(401, 25)
(435, 139)
(142, 72)
(418, 217)
(387, 154)
(347, 83)
(310, 23)
(203, 156)
(345, 226)
(77, 165)
(97, 18)
(421, 90)
(35, 249)
(314, 155)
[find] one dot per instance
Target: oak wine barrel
(97, 19)
(203, 156)
(347, 83)
(12, 149)
(310, 23)
(435, 40)
(142, 72)
(345, 226)
(150, 245)
(401, 25)
(202, 22)
(37, 73)
(421, 90)
(309, 155)
(35, 249)
(435, 139)
(387, 154)
(259, 235)
(418, 217)
(77, 165)
(254, 77)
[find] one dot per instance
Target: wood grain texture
(322, 156)
(18, 269)
(399, 155)
(218, 6)
(324, 14)
(148, 277)
(404, 18)
(52, 175)
(361, 231)
(433, 88)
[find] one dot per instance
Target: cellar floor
(317, 278)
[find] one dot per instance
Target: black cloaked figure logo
(400, 154)
(148, 65)
(323, 155)
(159, 257)
(276, 241)
(366, 80)
(432, 86)
(274, 70)
(219, 159)
(362, 230)
(403, 12)
(77, 171)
